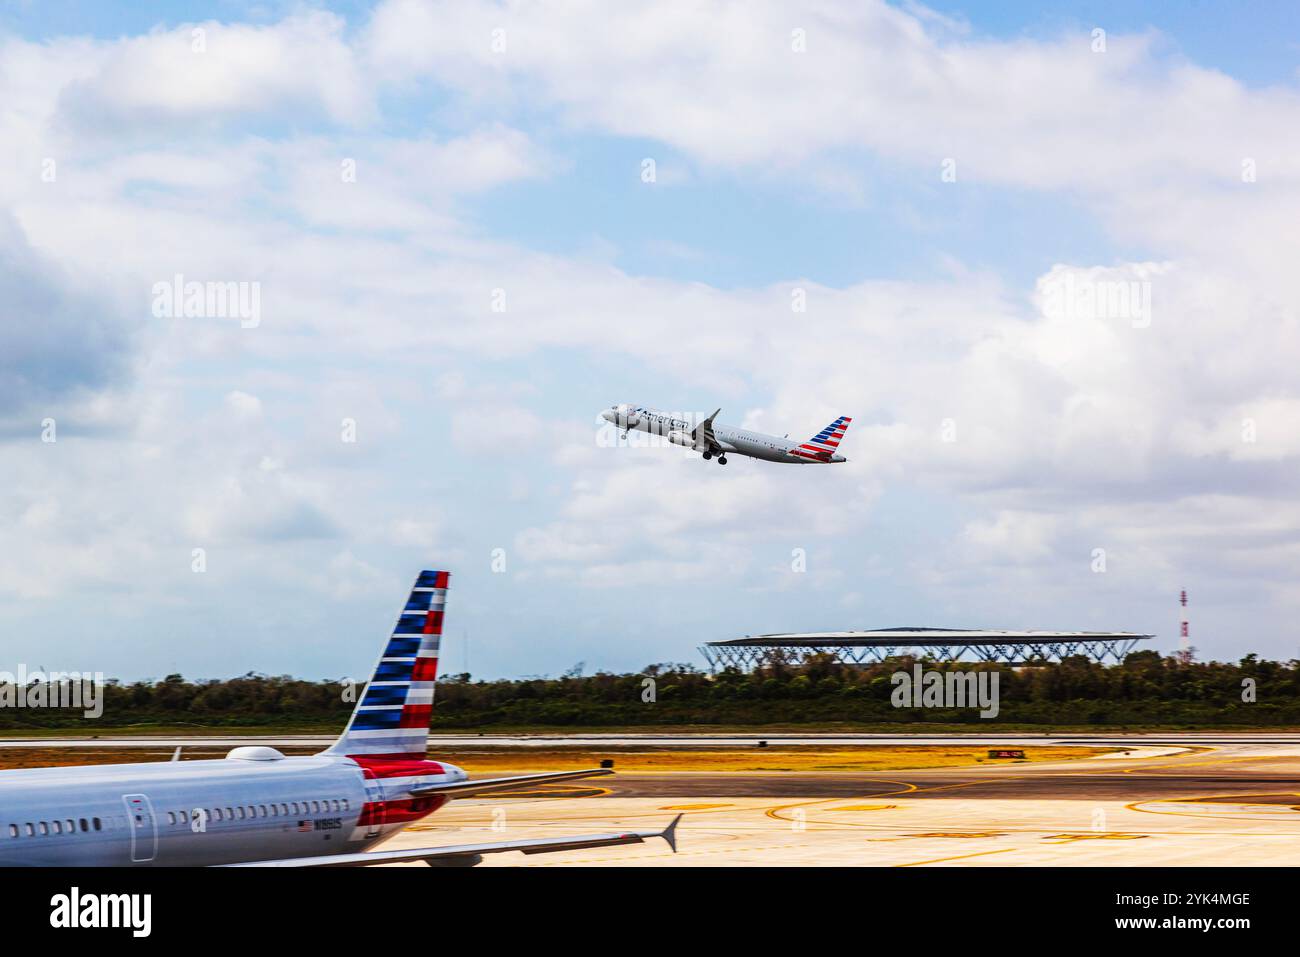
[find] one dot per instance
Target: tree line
(1146, 689)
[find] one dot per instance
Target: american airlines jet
(258, 808)
(710, 440)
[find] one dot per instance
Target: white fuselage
(258, 808)
(223, 811)
(730, 440)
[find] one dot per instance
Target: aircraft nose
(608, 415)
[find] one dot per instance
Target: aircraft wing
(703, 433)
(467, 854)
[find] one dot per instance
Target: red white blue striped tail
(823, 445)
(391, 720)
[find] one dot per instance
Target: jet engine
(677, 437)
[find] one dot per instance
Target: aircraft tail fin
(391, 719)
(825, 442)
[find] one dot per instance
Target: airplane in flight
(258, 808)
(717, 440)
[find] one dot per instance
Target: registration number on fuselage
(322, 824)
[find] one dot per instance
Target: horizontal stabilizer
(490, 785)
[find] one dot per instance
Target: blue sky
(1166, 445)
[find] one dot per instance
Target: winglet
(705, 428)
(669, 834)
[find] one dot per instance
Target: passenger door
(143, 827)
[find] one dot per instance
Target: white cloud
(243, 404)
(1015, 537)
(491, 428)
(638, 513)
(1070, 428)
(56, 339)
(723, 84)
(210, 71)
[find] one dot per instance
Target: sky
(1043, 259)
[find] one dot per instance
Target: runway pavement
(1221, 799)
(1000, 739)
(1235, 804)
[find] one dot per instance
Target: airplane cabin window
(58, 828)
(85, 825)
(13, 830)
(45, 827)
(31, 829)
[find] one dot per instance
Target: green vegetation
(1145, 691)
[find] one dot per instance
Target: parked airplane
(711, 440)
(258, 808)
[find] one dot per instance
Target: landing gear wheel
(707, 456)
(722, 460)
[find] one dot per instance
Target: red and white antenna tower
(1185, 650)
